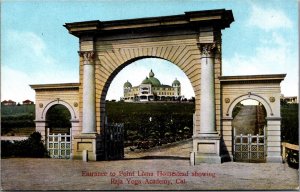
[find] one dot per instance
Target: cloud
(268, 18)
(30, 52)
(15, 85)
(272, 56)
(30, 62)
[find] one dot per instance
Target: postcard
(149, 95)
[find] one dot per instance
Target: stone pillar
(89, 104)
(206, 143)
(86, 140)
(207, 93)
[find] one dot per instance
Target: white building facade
(152, 90)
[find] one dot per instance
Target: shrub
(7, 148)
(31, 147)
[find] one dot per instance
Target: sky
(37, 49)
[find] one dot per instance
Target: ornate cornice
(250, 79)
(60, 86)
(219, 17)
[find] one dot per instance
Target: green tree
(289, 123)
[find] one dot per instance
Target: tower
(127, 88)
(177, 88)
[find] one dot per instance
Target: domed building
(151, 90)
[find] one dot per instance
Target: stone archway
(191, 41)
(249, 117)
(49, 95)
(58, 101)
(262, 88)
(193, 75)
(252, 96)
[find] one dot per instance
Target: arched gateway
(191, 41)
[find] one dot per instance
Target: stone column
(207, 94)
(89, 104)
(85, 142)
(206, 143)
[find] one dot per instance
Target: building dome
(176, 83)
(154, 81)
(146, 81)
(127, 84)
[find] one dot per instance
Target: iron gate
(249, 148)
(59, 145)
(110, 145)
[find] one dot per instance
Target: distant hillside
(17, 120)
(16, 110)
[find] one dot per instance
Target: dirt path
(159, 169)
(177, 150)
(245, 121)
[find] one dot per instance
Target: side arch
(59, 102)
(249, 96)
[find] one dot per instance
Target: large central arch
(192, 41)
